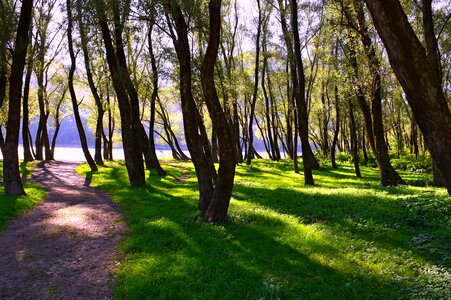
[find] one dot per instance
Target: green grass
(12, 206)
(345, 238)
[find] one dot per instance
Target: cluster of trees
(339, 75)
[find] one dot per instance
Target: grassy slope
(342, 239)
(11, 206)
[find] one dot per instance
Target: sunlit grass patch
(341, 239)
(12, 206)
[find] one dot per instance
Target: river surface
(75, 154)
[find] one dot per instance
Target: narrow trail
(65, 247)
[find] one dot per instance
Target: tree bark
(26, 114)
(219, 203)
(337, 128)
(100, 110)
(354, 142)
(250, 130)
(191, 115)
(73, 96)
(155, 163)
(129, 127)
(420, 83)
(11, 173)
(308, 159)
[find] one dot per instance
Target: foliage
(345, 238)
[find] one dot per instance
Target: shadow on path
(64, 248)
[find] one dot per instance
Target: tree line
(368, 78)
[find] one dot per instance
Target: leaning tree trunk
(308, 159)
(132, 150)
(354, 143)
(73, 96)
(250, 130)
(389, 176)
(11, 173)
(153, 99)
(219, 204)
(100, 110)
(191, 126)
(423, 89)
(337, 129)
(433, 55)
(26, 112)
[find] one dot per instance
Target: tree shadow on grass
(172, 254)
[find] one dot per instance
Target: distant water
(75, 154)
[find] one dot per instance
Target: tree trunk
(308, 159)
(100, 111)
(354, 143)
(130, 130)
(219, 204)
(26, 114)
(191, 120)
(11, 172)
(337, 128)
(250, 130)
(420, 83)
(153, 154)
(73, 96)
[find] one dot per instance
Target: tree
(11, 172)
(130, 119)
(308, 159)
(99, 104)
(73, 96)
(421, 84)
(203, 164)
(250, 146)
(219, 203)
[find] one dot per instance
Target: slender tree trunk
(308, 159)
(154, 159)
(337, 128)
(365, 155)
(219, 204)
(131, 136)
(100, 111)
(26, 114)
(250, 130)
(73, 96)
(294, 79)
(354, 143)
(433, 55)
(325, 122)
(11, 172)
(191, 117)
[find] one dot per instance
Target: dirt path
(64, 248)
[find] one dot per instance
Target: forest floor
(344, 238)
(65, 247)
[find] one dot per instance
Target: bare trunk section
(100, 110)
(25, 110)
(73, 96)
(155, 163)
(354, 142)
(130, 130)
(423, 90)
(336, 129)
(308, 159)
(11, 172)
(250, 130)
(219, 204)
(191, 116)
